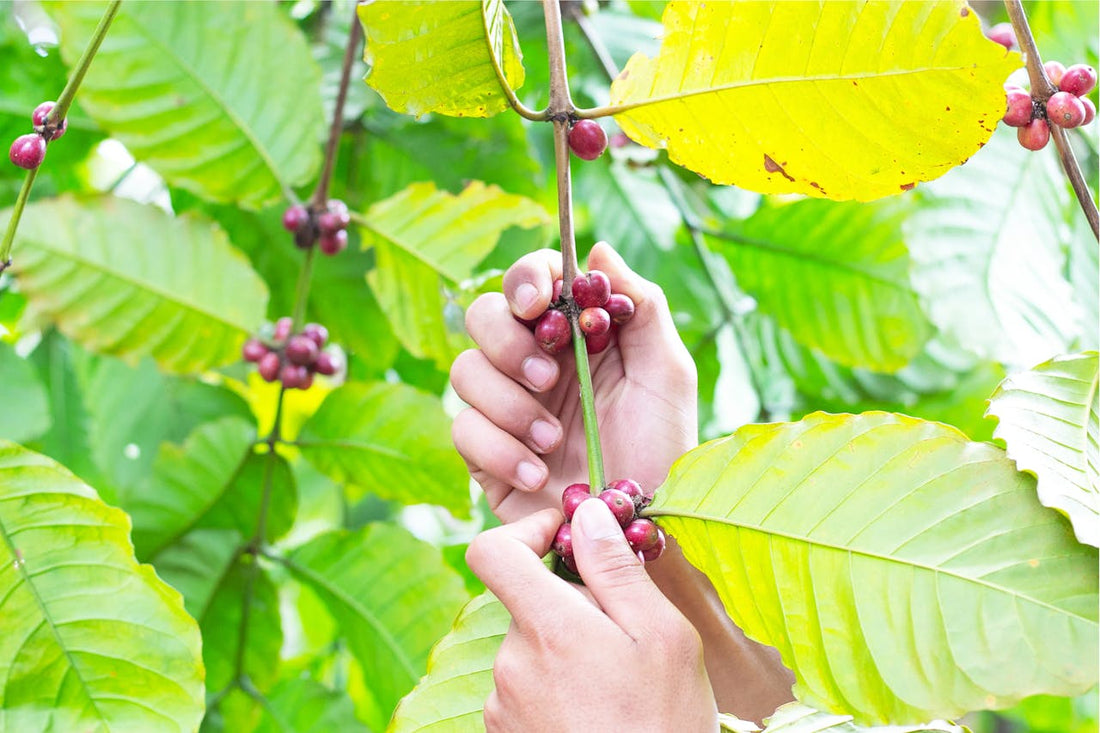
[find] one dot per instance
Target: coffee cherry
(317, 333)
(282, 328)
(38, 117)
(620, 307)
(642, 534)
(306, 382)
(1078, 80)
(570, 565)
(558, 285)
(1020, 108)
(633, 489)
(1055, 70)
(1090, 110)
(269, 366)
(591, 290)
(326, 364)
(595, 344)
(1065, 110)
(594, 321)
(295, 218)
(301, 350)
(655, 552)
(1034, 135)
(621, 505)
(293, 376)
(334, 243)
(28, 151)
(587, 140)
(563, 541)
(330, 222)
(253, 350)
(552, 331)
(572, 498)
(1003, 34)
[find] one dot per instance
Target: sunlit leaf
(903, 572)
(305, 706)
(25, 413)
(1049, 419)
(839, 99)
(92, 640)
(438, 57)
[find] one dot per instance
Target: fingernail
(544, 434)
(596, 521)
(530, 476)
(526, 295)
(538, 371)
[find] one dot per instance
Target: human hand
(621, 658)
(523, 434)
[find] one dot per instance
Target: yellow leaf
(841, 99)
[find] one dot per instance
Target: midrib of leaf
(339, 593)
(288, 193)
(781, 251)
(139, 284)
(404, 247)
(28, 581)
(865, 553)
(1085, 428)
(617, 109)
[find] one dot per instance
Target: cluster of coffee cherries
(328, 228)
(587, 139)
(28, 151)
(292, 359)
(601, 312)
(625, 498)
(1067, 108)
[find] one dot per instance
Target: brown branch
(320, 194)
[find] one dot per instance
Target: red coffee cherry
(1078, 80)
(621, 505)
(1003, 34)
(269, 366)
(1055, 70)
(1065, 110)
(552, 331)
(572, 498)
(591, 290)
(326, 364)
(316, 332)
(594, 321)
(655, 552)
(620, 307)
(1090, 110)
(28, 151)
(253, 350)
(38, 117)
(295, 218)
(333, 243)
(1020, 108)
(1035, 135)
(642, 534)
(587, 139)
(563, 541)
(596, 343)
(301, 350)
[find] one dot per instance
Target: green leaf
(903, 572)
(629, 208)
(196, 565)
(439, 57)
(426, 242)
(844, 100)
(126, 279)
(798, 718)
(305, 706)
(91, 640)
(181, 86)
(987, 256)
(390, 440)
(25, 414)
(835, 276)
(451, 697)
(393, 596)
(1049, 420)
(1083, 273)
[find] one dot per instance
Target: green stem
(69, 92)
(588, 410)
(301, 290)
(16, 215)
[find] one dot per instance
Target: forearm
(749, 680)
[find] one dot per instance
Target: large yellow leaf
(842, 99)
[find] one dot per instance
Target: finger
(508, 559)
(505, 403)
(509, 345)
(529, 283)
(489, 449)
(614, 574)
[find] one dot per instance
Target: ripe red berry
(1078, 80)
(621, 505)
(334, 243)
(326, 364)
(28, 151)
(563, 541)
(1090, 110)
(591, 290)
(1003, 34)
(38, 117)
(306, 382)
(620, 307)
(1035, 135)
(633, 489)
(570, 565)
(594, 321)
(1065, 110)
(587, 140)
(316, 332)
(596, 344)
(1055, 71)
(330, 222)
(253, 350)
(558, 284)
(570, 502)
(552, 331)
(269, 366)
(642, 534)
(301, 350)
(293, 376)
(1020, 108)
(655, 552)
(295, 218)
(282, 328)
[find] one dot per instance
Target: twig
(320, 194)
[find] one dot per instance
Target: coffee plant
(233, 277)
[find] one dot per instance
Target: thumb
(613, 573)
